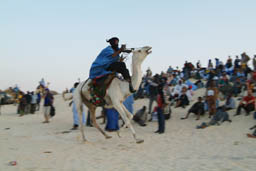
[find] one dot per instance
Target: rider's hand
(121, 59)
(122, 48)
(127, 51)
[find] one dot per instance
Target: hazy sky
(59, 39)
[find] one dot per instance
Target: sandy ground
(36, 146)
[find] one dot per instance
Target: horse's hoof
(108, 137)
(139, 141)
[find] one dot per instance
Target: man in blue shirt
(109, 61)
(75, 113)
(48, 102)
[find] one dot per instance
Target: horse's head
(140, 54)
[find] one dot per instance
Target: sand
(36, 146)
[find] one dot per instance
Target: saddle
(98, 88)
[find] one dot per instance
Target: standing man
(28, 100)
(38, 100)
(48, 102)
(33, 102)
(152, 93)
(160, 106)
(74, 110)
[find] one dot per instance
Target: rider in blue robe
(109, 61)
(104, 59)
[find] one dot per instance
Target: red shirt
(159, 101)
(248, 99)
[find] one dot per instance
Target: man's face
(116, 42)
(115, 45)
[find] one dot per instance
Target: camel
(116, 93)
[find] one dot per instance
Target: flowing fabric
(128, 103)
(112, 120)
(113, 115)
(189, 83)
(102, 62)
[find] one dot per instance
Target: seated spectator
(199, 84)
(177, 88)
(230, 103)
(141, 116)
(183, 100)
(237, 87)
(189, 92)
(253, 135)
(173, 80)
(225, 90)
(247, 103)
(197, 76)
(197, 109)
(220, 116)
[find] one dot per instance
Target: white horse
(116, 93)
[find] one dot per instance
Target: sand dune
(36, 146)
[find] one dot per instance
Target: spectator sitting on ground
(197, 108)
(224, 86)
(183, 100)
(253, 135)
(189, 92)
(247, 103)
(220, 116)
(230, 103)
(178, 88)
(199, 84)
(141, 116)
(237, 87)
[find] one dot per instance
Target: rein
(125, 58)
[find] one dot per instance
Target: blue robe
(112, 120)
(102, 62)
(128, 103)
(113, 115)
(75, 113)
(189, 83)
